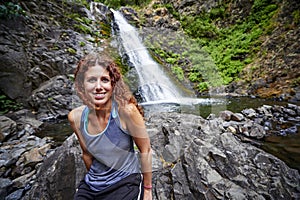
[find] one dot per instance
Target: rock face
(193, 158)
(60, 174)
(199, 159)
(54, 98)
(40, 45)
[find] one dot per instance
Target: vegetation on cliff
(240, 37)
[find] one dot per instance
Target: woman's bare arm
(74, 119)
(135, 124)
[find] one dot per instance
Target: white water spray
(155, 84)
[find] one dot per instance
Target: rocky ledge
(193, 157)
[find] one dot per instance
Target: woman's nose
(98, 84)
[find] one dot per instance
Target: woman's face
(97, 84)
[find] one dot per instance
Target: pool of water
(287, 148)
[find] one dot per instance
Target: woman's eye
(92, 80)
(105, 80)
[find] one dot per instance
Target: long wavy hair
(121, 92)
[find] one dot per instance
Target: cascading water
(154, 84)
(155, 89)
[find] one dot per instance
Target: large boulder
(54, 98)
(60, 173)
(14, 81)
(198, 159)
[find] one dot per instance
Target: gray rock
(16, 195)
(7, 128)
(214, 164)
(60, 174)
(5, 183)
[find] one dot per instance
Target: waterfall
(154, 83)
(155, 89)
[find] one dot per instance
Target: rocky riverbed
(194, 158)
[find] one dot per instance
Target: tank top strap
(84, 114)
(115, 116)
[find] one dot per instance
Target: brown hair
(121, 91)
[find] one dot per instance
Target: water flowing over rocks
(193, 158)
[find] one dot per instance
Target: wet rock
(193, 158)
(20, 156)
(7, 128)
(16, 195)
(249, 113)
(237, 117)
(32, 157)
(60, 174)
(5, 183)
(226, 115)
(53, 99)
(214, 163)
(41, 45)
(22, 181)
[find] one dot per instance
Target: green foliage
(82, 44)
(178, 71)
(296, 82)
(203, 67)
(84, 25)
(11, 10)
(199, 26)
(7, 105)
(203, 86)
(105, 30)
(195, 76)
(82, 28)
(217, 13)
(230, 48)
(171, 60)
(296, 16)
(84, 3)
(172, 11)
(71, 50)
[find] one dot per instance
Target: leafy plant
(203, 86)
(7, 104)
(11, 10)
(82, 44)
(178, 71)
(296, 16)
(71, 50)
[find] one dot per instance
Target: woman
(107, 127)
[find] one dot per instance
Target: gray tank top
(113, 152)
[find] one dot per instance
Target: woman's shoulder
(75, 114)
(128, 109)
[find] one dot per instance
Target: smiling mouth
(99, 96)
